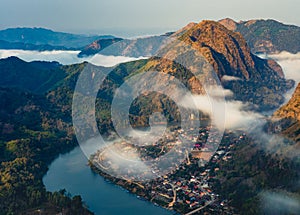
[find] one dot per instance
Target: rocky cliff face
(227, 51)
(292, 108)
(289, 116)
(230, 24)
(252, 79)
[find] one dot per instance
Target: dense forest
(257, 168)
(33, 132)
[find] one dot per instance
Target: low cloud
(230, 78)
(65, 57)
(290, 64)
(279, 203)
(108, 61)
(224, 114)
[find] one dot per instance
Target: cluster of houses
(189, 184)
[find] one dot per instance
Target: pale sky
(137, 16)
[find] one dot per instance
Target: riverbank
(70, 171)
(187, 189)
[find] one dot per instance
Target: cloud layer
(290, 64)
(279, 203)
(228, 114)
(65, 57)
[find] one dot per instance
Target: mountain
(227, 52)
(262, 36)
(290, 117)
(267, 36)
(140, 47)
(97, 46)
(29, 46)
(253, 170)
(41, 36)
(251, 78)
(292, 108)
(38, 77)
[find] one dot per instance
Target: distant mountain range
(262, 36)
(44, 39)
(140, 47)
(30, 47)
(255, 80)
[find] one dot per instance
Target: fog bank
(65, 57)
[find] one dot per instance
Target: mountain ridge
(36, 76)
(43, 36)
(263, 36)
(267, 36)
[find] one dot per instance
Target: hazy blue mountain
(29, 46)
(41, 36)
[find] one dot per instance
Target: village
(188, 187)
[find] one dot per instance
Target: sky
(137, 17)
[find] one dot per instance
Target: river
(70, 172)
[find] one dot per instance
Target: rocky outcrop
(289, 117)
(292, 108)
(229, 24)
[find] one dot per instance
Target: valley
(214, 176)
